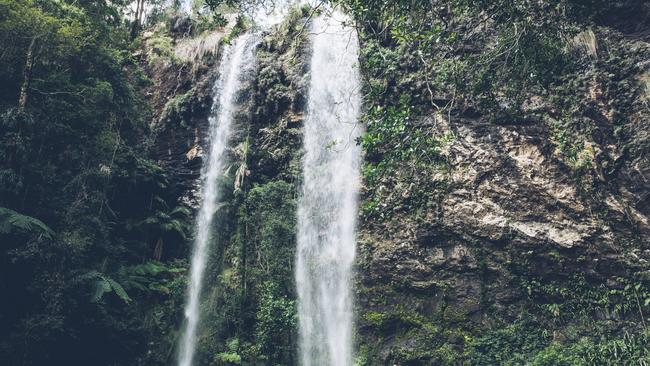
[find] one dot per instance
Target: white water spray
(327, 209)
(237, 63)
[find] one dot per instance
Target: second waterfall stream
(327, 208)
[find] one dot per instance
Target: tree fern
(166, 222)
(149, 276)
(11, 221)
(104, 284)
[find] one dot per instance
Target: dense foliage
(86, 216)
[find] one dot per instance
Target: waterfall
(327, 208)
(237, 62)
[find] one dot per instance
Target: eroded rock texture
(508, 228)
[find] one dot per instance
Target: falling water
(237, 62)
(328, 206)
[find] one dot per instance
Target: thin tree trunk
(158, 250)
(135, 27)
(27, 76)
(140, 20)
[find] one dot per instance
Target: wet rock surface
(181, 95)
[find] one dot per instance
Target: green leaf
(119, 291)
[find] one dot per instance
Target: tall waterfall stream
(327, 209)
(237, 62)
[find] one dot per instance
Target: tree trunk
(135, 27)
(27, 76)
(140, 20)
(158, 250)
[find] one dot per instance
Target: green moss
(179, 109)
(511, 345)
(571, 147)
(576, 299)
(376, 319)
(161, 48)
(626, 350)
(399, 317)
(231, 356)
(361, 357)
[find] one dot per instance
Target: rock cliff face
(522, 234)
(181, 93)
(510, 213)
(506, 194)
(509, 228)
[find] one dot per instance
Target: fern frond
(11, 220)
(119, 291)
(104, 285)
(180, 210)
(101, 288)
